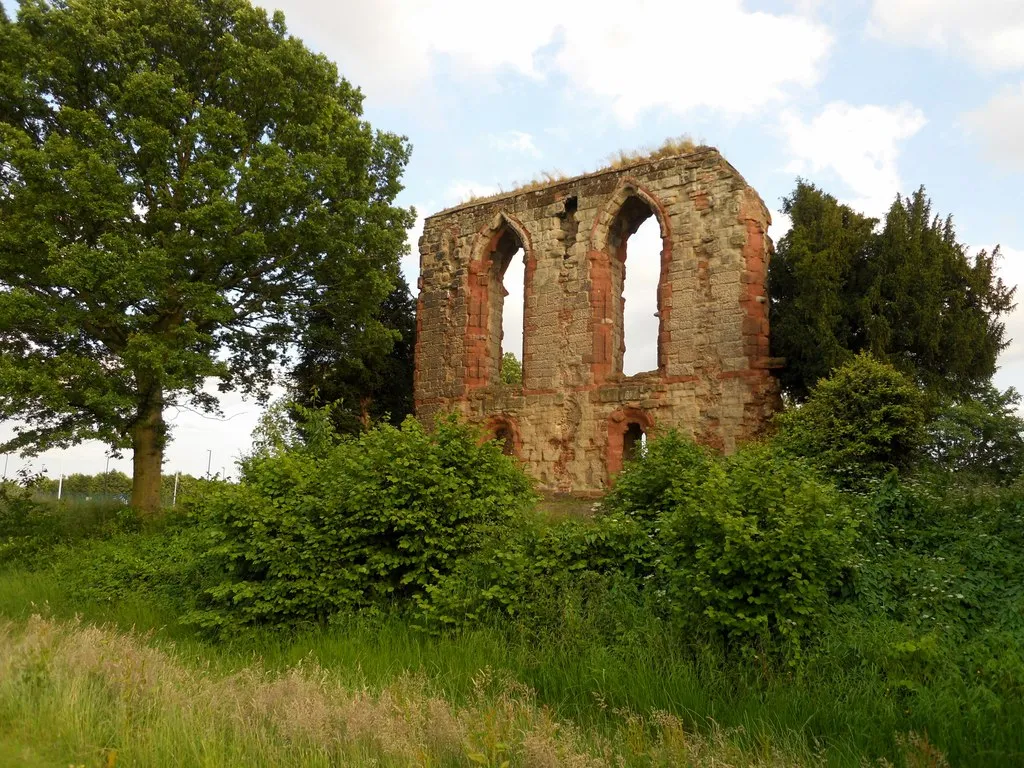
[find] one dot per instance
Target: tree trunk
(147, 463)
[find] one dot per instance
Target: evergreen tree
(910, 294)
(366, 373)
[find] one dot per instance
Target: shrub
(526, 572)
(669, 473)
(165, 564)
(748, 548)
(30, 528)
(756, 548)
(369, 520)
(862, 422)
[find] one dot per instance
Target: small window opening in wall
(503, 435)
(634, 442)
(640, 323)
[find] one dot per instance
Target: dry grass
(73, 694)
(679, 145)
(546, 178)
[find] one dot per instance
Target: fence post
(174, 496)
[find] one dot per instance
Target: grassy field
(98, 668)
(125, 684)
(96, 693)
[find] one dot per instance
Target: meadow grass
(80, 694)
(644, 699)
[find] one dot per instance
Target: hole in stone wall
(634, 441)
(635, 232)
(570, 225)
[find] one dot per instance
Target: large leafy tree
(177, 180)
(909, 293)
(366, 376)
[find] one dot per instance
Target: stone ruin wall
(576, 414)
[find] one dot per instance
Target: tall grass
(87, 695)
(629, 694)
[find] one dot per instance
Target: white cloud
(859, 144)
(781, 224)
(515, 141)
(463, 189)
(1000, 124)
(683, 55)
(675, 54)
(990, 33)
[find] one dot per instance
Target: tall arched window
(512, 309)
(505, 299)
(635, 245)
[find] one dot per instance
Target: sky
(866, 98)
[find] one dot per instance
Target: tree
(910, 294)
(983, 436)
(367, 375)
(177, 180)
(511, 369)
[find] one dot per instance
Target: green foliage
(669, 473)
(306, 533)
(366, 376)
(511, 369)
(527, 571)
(757, 548)
(165, 564)
(177, 179)
(813, 280)
(862, 422)
(747, 549)
(31, 528)
(909, 294)
(982, 436)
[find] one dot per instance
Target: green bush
(747, 548)
(756, 548)
(165, 564)
(669, 473)
(31, 527)
(526, 571)
(860, 423)
(381, 517)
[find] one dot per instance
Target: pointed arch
(504, 430)
(628, 427)
(629, 206)
(492, 252)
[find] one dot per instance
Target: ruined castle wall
(568, 420)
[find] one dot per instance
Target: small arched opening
(503, 436)
(634, 441)
(628, 430)
(503, 431)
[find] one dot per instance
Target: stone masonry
(576, 416)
